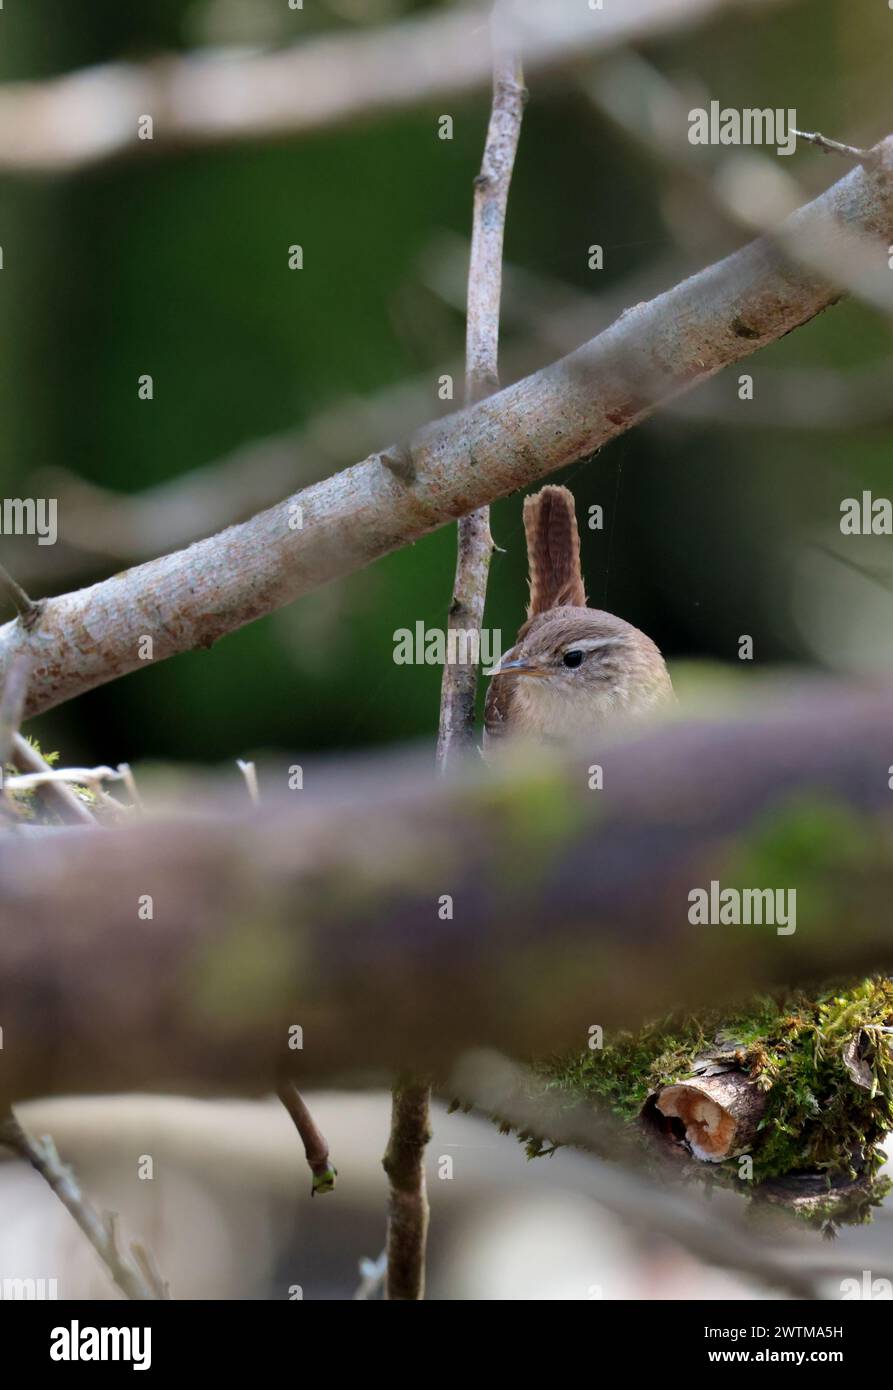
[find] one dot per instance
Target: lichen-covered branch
(651, 354)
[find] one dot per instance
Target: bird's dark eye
(573, 659)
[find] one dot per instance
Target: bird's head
(573, 647)
(583, 663)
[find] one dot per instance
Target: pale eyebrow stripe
(591, 644)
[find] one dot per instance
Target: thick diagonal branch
(651, 354)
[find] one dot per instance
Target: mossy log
(789, 1100)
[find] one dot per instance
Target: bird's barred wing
(497, 708)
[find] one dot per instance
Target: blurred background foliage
(177, 266)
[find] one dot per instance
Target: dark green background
(177, 266)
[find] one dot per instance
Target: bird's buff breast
(543, 710)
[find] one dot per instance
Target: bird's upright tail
(553, 551)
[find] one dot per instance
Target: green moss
(824, 1060)
(817, 844)
(247, 976)
(818, 1117)
(530, 819)
(852, 1207)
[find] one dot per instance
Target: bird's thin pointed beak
(523, 668)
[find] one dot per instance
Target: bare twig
(828, 146)
(125, 772)
(51, 790)
(751, 193)
(214, 98)
(653, 353)
(475, 543)
(12, 703)
(249, 772)
(27, 609)
(404, 1163)
(134, 1273)
(316, 1148)
(90, 777)
(372, 1277)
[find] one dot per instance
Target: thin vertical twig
(316, 1147)
(134, 1273)
(372, 1278)
(249, 772)
(404, 1161)
(475, 543)
(12, 705)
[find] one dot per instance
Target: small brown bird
(573, 667)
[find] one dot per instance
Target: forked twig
(135, 1272)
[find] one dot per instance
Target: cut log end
(714, 1117)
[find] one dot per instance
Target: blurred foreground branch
(218, 98)
(651, 354)
(179, 953)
